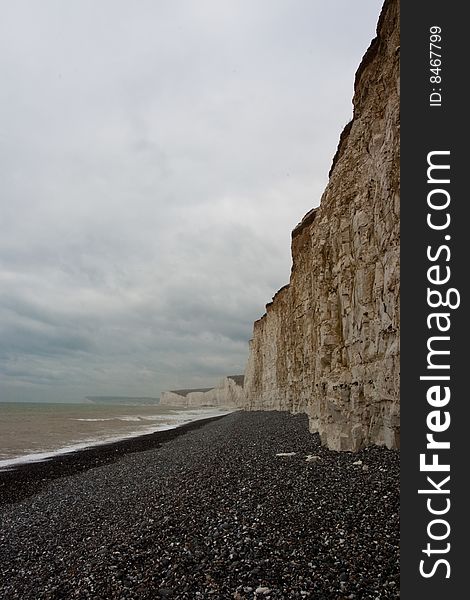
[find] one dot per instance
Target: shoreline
(27, 478)
(7, 464)
(240, 507)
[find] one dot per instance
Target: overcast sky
(154, 158)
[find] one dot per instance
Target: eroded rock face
(228, 393)
(328, 344)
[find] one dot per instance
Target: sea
(31, 432)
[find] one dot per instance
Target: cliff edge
(328, 344)
(227, 393)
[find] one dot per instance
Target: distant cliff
(228, 393)
(328, 344)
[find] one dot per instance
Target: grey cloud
(154, 158)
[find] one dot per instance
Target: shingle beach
(245, 506)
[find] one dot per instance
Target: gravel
(212, 513)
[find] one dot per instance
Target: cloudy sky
(154, 157)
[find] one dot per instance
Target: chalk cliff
(328, 344)
(228, 393)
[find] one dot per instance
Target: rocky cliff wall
(228, 393)
(328, 344)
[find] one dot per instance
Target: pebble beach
(249, 505)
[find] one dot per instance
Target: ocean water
(37, 431)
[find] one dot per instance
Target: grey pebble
(207, 513)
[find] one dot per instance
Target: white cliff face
(328, 344)
(228, 393)
(172, 399)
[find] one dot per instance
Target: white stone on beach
(313, 458)
(286, 453)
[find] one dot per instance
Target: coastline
(249, 505)
(27, 478)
